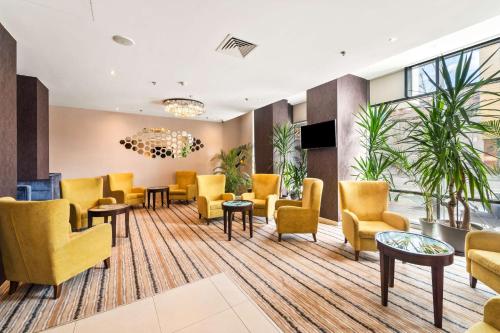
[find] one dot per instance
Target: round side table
(112, 211)
(230, 207)
(151, 191)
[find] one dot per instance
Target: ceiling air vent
(235, 47)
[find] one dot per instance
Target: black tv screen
(320, 135)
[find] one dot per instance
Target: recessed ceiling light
(112, 72)
(246, 99)
(342, 53)
(182, 83)
(392, 39)
(122, 40)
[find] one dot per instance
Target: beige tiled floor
(214, 304)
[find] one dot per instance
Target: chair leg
(199, 215)
(345, 240)
(107, 263)
(279, 237)
(57, 291)
(267, 220)
(314, 237)
(13, 287)
(472, 281)
(356, 255)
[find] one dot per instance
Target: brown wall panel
(8, 136)
(32, 129)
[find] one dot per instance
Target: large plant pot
(453, 236)
(428, 228)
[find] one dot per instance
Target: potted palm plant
(448, 162)
(283, 141)
(232, 165)
(295, 173)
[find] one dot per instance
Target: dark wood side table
(232, 206)
(112, 211)
(163, 190)
(419, 250)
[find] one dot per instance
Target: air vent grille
(235, 46)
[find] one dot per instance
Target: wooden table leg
(168, 198)
(127, 225)
(89, 220)
(224, 214)
(149, 199)
(162, 198)
(384, 277)
(229, 225)
(391, 272)
(251, 222)
(113, 229)
(154, 200)
(244, 217)
(437, 294)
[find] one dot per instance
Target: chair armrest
(173, 187)
(107, 201)
(228, 196)
(350, 227)
(483, 240)
(191, 191)
(75, 214)
(247, 195)
(286, 202)
(202, 203)
(119, 196)
(138, 189)
(396, 220)
(492, 312)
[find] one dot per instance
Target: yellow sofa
(301, 216)
(82, 194)
(211, 195)
(491, 318)
(38, 247)
(265, 193)
(364, 207)
(482, 256)
(123, 190)
(184, 187)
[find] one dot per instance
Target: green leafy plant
(283, 141)
(447, 160)
(375, 127)
(231, 164)
(295, 173)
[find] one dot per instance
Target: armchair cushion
(286, 202)
(178, 191)
(368, 229)
(259, 203)
(488, 259)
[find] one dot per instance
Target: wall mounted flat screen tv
(320, 135)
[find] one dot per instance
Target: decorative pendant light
(184, 107)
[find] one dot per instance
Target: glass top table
(414, 243)
(237, 203)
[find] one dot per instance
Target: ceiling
(68, 46)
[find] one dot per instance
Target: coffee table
(112, 211)
(232, 206)
(151, 191)
(419, 250)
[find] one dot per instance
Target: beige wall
(300, 112)
(387, 88)
(85, 143)
(238, 131)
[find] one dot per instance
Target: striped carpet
(303, 286)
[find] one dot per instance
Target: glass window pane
(419, 79)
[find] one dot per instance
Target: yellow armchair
(482, 258)
(82, 194)
(364, 207)
(211, 195)
(301, 216)
(123, 190)
(265, 193)
(184, 187)
(491, 318)
(38, 246)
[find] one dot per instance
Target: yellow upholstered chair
(482, 254)
(491, 318)
(265, 193)
(123, 190)
(184, 187)
(364, 207)
(211, 195)
(38, 247)
(300, 216)
(82, 194)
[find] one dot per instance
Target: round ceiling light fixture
(122, 40)
(184, 107)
